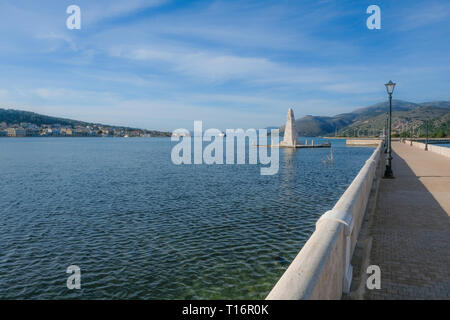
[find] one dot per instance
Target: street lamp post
(426, 143)
(385, 133)
(388, 172)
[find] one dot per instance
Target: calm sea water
(140, 227)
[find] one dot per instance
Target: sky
(161, 64)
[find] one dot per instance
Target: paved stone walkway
(411, 227)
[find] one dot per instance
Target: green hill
(11, 116)
(370, 120)
(15, 117)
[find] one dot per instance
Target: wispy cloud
(3, 93)
(95, 12)
(164, 63)
(57, 40)
(217, 67)
(423, 14)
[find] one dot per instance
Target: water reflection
(146, 228)
(288, 163)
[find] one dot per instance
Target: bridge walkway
(410, 229)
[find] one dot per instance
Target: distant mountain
(371, 120)
(15, 117)
(314, 126)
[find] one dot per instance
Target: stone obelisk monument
(290, 132)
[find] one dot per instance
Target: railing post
(346, 219)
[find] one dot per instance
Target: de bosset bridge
(401, 225)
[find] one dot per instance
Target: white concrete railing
(444, 151)
(322, 268)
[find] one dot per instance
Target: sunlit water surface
(140, 227)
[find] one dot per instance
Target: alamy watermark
(74, 20)
(235, 140)
(74, 280)
(374, 20)
(374, 280)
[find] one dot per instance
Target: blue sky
(162, 64)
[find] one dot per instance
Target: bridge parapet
(322, 268)
(443, 151)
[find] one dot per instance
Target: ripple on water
(140, 227)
